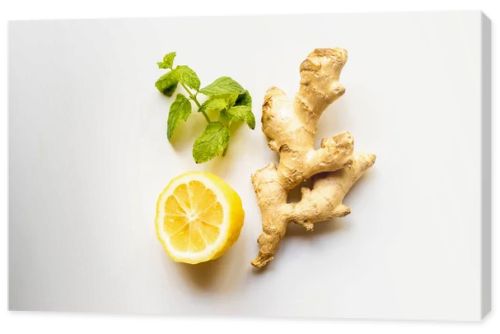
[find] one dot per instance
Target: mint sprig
(226, 103)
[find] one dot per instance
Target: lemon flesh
(198, 217)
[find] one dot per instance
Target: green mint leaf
(211, 143)
(168, 61)
(222, 86)
(167, 83)
(180, 109)
(244, 99)
(214, 104)
(241, 113)
(187, 76)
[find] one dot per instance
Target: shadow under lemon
(222, 274)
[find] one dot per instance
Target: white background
(84, 323)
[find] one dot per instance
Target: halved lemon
(198, 217)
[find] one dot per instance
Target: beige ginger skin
(290, 128)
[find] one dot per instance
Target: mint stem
(195, 100)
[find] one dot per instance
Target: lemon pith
(198, 217)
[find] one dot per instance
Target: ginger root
(290, 128)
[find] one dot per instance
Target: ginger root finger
(296, 166)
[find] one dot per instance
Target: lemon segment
(198, 217)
